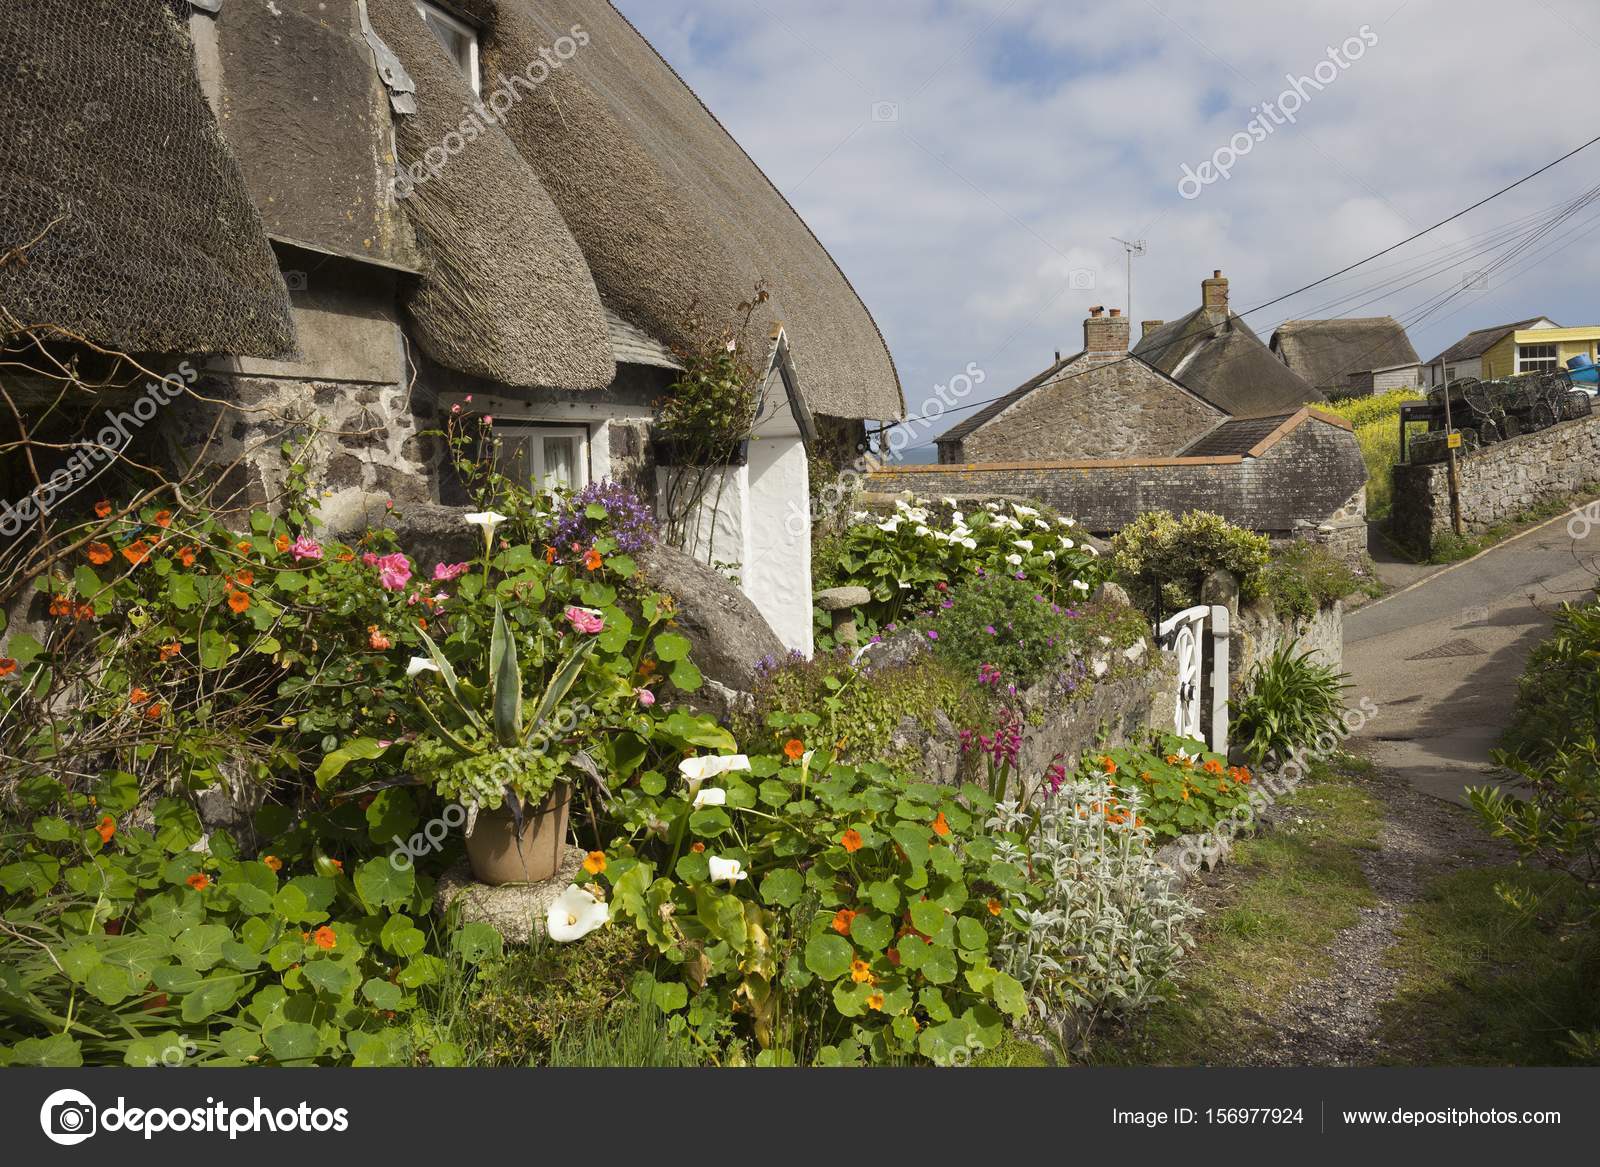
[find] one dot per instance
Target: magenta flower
(585, 620)
(394, 570)
(932, 635)
(370, 559)
(306, 547)
(645, 696)
(447, 571)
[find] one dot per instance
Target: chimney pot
(1105, 337)
(1214, 293)
(1216, 273)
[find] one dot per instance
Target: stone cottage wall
(1118, 409)
(1497, 482)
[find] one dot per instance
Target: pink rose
(393, 571)
(370, 559)
(645, 696)
(585, 621)
(444, 571)
(306, 547)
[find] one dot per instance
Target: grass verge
(1499, 966)
(1272, 911)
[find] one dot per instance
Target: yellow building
(1505, 350)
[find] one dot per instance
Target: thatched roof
(672, 215)
(1219, 357)
(506, 293)
(1476, 343)
(110, 159)
(1326, 352)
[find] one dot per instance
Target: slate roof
(1475, 344)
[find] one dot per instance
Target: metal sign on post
(1453, 440)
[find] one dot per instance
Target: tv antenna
(1133, 247)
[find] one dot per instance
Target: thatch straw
(144, 238)
(670, 211)
(507, 294)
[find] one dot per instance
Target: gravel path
(1334, 1021)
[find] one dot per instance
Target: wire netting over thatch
(111, 160)
(506, 294)
(667, 207)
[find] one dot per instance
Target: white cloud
(1031, 132)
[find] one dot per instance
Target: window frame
(537, 430)
(1541, 363)
(428, 10)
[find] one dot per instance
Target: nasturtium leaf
(293, 1041)
(970, 933)
(328, 976)
(475, 941)
(884, 894)
(782, 887)
(670, 646)
(382, 994)
(201, 947)
(829, 956)
(686, 675)
(927, 917)
(217, 992)
(670, 996)
(873, 932)
(382, 884)
(710, 821)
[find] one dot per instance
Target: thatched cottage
(366, 212)
(1349, 356)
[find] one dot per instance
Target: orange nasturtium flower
(1108, 764)
(99, 553)
(851, 840)
(244, 546)
(549, 553)
(238, 601)
(377, 639)
(697, 848)
(102, 508)
(7, 666)
(940, 826)
(841, 921)
(168, 651)
(875, 1001)
(324, 937)
(244, 578)
(136, 552)
(994, 907)
(595, 862)
(163, 519)
(199, 881)
(138, 696)
(793, 749)
(107, 828)
(281, 543)
(860, 971)
(592, 560)
(337, 865)
(273, 862)
(186, 556)
(153, 711)
(1212, 766)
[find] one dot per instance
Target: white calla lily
(710, 796)
(727, 870)
(1014, 560)
(1024, 512)
(1025, 544)
(420, 664)
(697, 770)
(574, 914)
(488, 520)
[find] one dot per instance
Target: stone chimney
(1105, 337)
(1214, 293)
(1146, 327)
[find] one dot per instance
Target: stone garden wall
(1497, 482)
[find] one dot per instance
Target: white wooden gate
(1186, 636)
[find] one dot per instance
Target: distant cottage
(1349, 357)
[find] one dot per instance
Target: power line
(1287, 295)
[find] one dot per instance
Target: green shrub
(1162, 558)
(1169, 785)
(905, 558)
(1289, 701)
(822, 912)
(1558, 697)
(1303, 578)
(861, 706)
(1377, 428)
(1005, 630)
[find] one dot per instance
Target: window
(1536, 358)
(459, 39)
(544, 456)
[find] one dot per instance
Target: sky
(971, 164)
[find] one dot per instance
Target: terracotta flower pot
(499, 853)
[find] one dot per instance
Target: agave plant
(491, 746)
